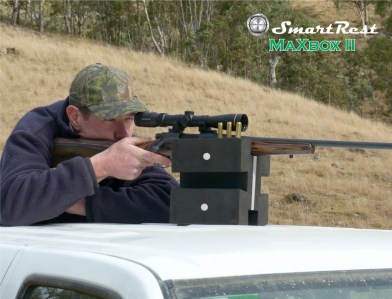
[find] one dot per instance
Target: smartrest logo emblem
(258, 24)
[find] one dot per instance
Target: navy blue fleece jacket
(32, 192)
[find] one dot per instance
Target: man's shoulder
(40, 117)
(52, 108)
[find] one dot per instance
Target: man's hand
(124, 160)
(79, 208)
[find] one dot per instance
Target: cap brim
(116, 109)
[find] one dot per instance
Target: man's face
(115, 129)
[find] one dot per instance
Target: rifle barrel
(326, 143)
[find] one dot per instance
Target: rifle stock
(281, 148)
(67, 148)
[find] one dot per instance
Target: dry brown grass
(344, 188)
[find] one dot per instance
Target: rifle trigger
(157, 146)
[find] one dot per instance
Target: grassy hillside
(326, 12)
(343, 187)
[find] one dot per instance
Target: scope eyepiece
(188, 119)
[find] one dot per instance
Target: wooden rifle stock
(68, 148)
(280, 148)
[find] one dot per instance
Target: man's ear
(74, 116)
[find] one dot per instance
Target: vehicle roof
(201, 251)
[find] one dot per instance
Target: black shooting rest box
(217, 177)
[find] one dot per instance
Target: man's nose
(123, 129)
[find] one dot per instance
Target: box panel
(210, 155)
(209, 206)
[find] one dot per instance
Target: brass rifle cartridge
(220, 130)
(238, 128)
(228, 129)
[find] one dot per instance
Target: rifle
(224, 189)
(233, 124)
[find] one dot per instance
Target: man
(121, 184)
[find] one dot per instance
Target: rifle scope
(188, 119)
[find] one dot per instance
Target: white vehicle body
(141, 261)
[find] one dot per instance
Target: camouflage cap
(107, 91)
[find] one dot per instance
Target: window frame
(222, 286)
(66, 284)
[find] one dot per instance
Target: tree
(378, 57)
(41, 16)
(159, 48)
(16, 12)
(67, 16)
(361, 7)
(273, 63)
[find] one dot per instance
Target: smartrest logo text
(342, 27)
(310, 45)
